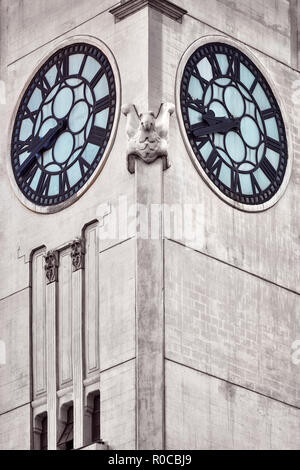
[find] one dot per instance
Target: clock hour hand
(39, 144)
(215, 124)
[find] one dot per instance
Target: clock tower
(150, 228)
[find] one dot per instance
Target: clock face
(63, 124)
(233, 124)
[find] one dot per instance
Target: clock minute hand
(39, 144)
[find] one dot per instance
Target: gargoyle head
(147, 121)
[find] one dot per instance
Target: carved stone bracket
(51, 266)
(128, 7)
(147, 135)
(77, 254)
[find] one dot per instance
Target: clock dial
(233, 123)
(63, 124)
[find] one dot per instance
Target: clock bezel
(89, 40)
(179, 74)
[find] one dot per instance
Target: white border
(62, 205)
(245, 49)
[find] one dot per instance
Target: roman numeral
(30, 114)
(195, 104)
(84, 166)
(234, 68)
(64, 184)
(268, 169)
(29, 175)
(97, 77)
(82, 65)
(23, 146)
(235, 182)
(201, 141)
(253, 85)
(96, 135)
(268, 113)
(215, 66)
(102, 104)
(43, 184)
(212, 162)
(44, 86)
(254, 184)
(65, 66)
(273, 144)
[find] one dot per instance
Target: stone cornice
(132, 6)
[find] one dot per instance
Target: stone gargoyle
(147, 135)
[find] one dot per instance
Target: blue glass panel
(271, 128)
(223, 81)
(259, 121)
(218, 109)
(78, 116)
(205, 69)
(90, 152)
(195, 89)
(35, 100)
(54, 185)
(246, 77)
(101, 89)
(261, 178)
(250, 131)
(273, 158)
(225, 175)
(101, 118)
(250, 108)
(223, 62)
(74, 156)
(73, 82)
(47, 111)
(74, 173)
(251, 156)
(63, 147)
(246, 167)
(261, 98)
(194, 116)
(246, 185)
(79, 139)
(53, 92)
(47, 157)
(37, 122)
(234, 101)
(235, 146)
(224, 156)
(75, 61)
(88, 95)
(260, 152)
(53, 168)
(90, 69)
(63, 102)
(36, 179)
(217, 92)
(208, 95)
(79, 93)
(23, 156)
(206, 150)
(88, 127)
(244, 92)
(26, 129)
(51, 75)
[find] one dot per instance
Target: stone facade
(188, 341)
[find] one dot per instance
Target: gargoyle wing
(162, 120)
(132, 122)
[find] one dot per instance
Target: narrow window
(44, 434)
(96, 419)
(65, 441)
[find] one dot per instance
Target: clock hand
(215, 124)
(39, 144)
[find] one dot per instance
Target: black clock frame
(96, 134)
(234, 55)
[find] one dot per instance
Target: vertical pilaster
(51, 268)
(149, 313)
(77, 255)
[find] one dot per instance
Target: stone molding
(77, 254)
(51, 266)
(130, 7)
(147, 135)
